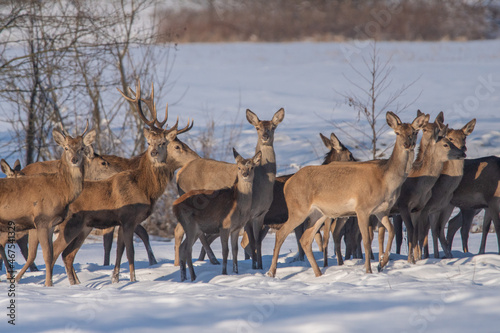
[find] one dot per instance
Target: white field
(221, 81)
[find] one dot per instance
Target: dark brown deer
(41, 201)
(340, 189)
(436, 212)
(224, 212)
(212, 175)
(479, 188)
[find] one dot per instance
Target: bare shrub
(290, 20)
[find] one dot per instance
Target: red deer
(350, 188)
(223, 211)
(41, 201)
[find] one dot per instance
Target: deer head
(74, 148)
(157, 137)
(338, 152)
(11, 172)
(265, 129)
(458, 137)
(406, 134)
(246, 166)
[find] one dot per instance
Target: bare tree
(371, 99)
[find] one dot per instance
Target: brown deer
(20, 237)
(125, 199)
(222, 211)
(212, 175)
(350, 188)
(41, 201)
(417, 188)
(435, 213)
(479, 188)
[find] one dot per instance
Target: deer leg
(206, 247)
(234, 248)
(245, 245)
(295, 218)
(453, 225)
(410, 231)
(143, 235)
(381, 239)
(306, 242)
(69, 254)
(120, 247)
(385, 258)
(299, 231)
(32, 249)
(5, 259)
(496, 222)
(23, 246)
(363, 223)
(128, 239)
(224, 239)
(486, 228)
(326, 237)
(251, 242)
(398, 230)
(340, 225)
(107, 241)
(258, 223)
(468, 216)
(178, 235)
(45, 238)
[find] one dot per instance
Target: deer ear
(326, 141)
(237, 156)
(257, 158)
(393, 120)
(252, 118)
(89, 138)
(420, 121)
(59, 138)
(440, 118)
(419, 113)
(17, 165)
(6, 168)
(278, 117)
(469, 127)
(336, 144)
(171, 135)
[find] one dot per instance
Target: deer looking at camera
(208, 174)
(342, 189)
(41, 201)
(222, 211)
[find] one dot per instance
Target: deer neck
(429, 165)
(153, 179)
(72, 177)
(453, 168)
(244, 195)
(399, 165)
(268, 162)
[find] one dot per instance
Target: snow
(221, 81)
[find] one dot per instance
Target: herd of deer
(84, 190)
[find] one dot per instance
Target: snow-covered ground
(220, 81)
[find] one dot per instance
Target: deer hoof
(115, 279)
(271, 273)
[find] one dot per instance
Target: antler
(86, 129)
(136, 100)
(187, 128)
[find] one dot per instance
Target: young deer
(350, 188)
(41, 201)
(208, 174)
(222, 211)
